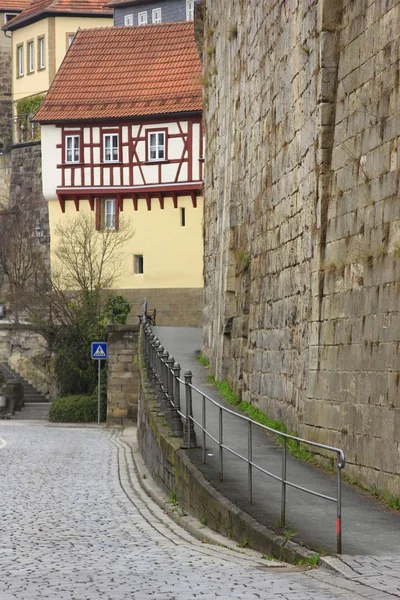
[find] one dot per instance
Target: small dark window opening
(138, 264)
(183, 217)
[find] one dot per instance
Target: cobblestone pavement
(76, 525)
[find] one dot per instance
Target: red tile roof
(13, 5)
(40, 9)
(123, 72)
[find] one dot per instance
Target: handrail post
(164, 384)
(339, 508)
(146, 346)
(203, 425)
(151, 340)
(220, 442)
(283, 487)
(160, 352)
(189, 438)
(176, 421)
(169, 363)
(156, 346)
(250, 460)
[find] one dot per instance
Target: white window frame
(8, 17)
(156, 15)
(31, 57)
(190, 10)
(156, 149)
(20, 60)
(72, 154)
(128, 19)
(71, 37)
(110, 207)
(41, 51)
(110, 149)
(142, 18)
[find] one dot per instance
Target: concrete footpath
(370, 531)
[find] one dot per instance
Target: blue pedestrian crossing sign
(99, 350)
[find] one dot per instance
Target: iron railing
(165, 374)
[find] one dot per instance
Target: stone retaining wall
(181, 307)
(302, 219)
(5, 96)
(173, 471)
(26, 352)
(5, 175)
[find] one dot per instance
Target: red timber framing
(133, 167)
(148, 193)
(96, 200)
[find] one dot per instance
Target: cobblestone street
(76, 525)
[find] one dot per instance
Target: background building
(41, 35)
(147, 12)
(131, 148)
(8, 10)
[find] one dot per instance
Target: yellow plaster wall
(172, 254)
(55, 30)
(38, 81)
(65, 25)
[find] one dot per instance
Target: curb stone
(335, 565)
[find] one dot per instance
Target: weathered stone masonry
(123, 373)
(5, 98)
(302, 218)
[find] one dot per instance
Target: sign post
(99, 352)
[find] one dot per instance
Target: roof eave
(10, 10)
(46, 14)
(117, 4)
(158, 116)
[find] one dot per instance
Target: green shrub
(117, 308)
(30, 104)
(77, 409)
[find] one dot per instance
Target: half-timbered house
(122, 138)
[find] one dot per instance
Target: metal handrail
(165, 374)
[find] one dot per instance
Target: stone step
(37, 411)
(30, 394)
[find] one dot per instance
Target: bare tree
(22, 261)
(71, 312)
(68, 307)
(86, 259)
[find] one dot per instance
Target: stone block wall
(353, 394)
(302, 219)
(5, 98)
(26, 179)
(262, 102)
(123, 374)
(5, 175)
(181, 307)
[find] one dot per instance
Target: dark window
(183, 217)
(138, 264)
